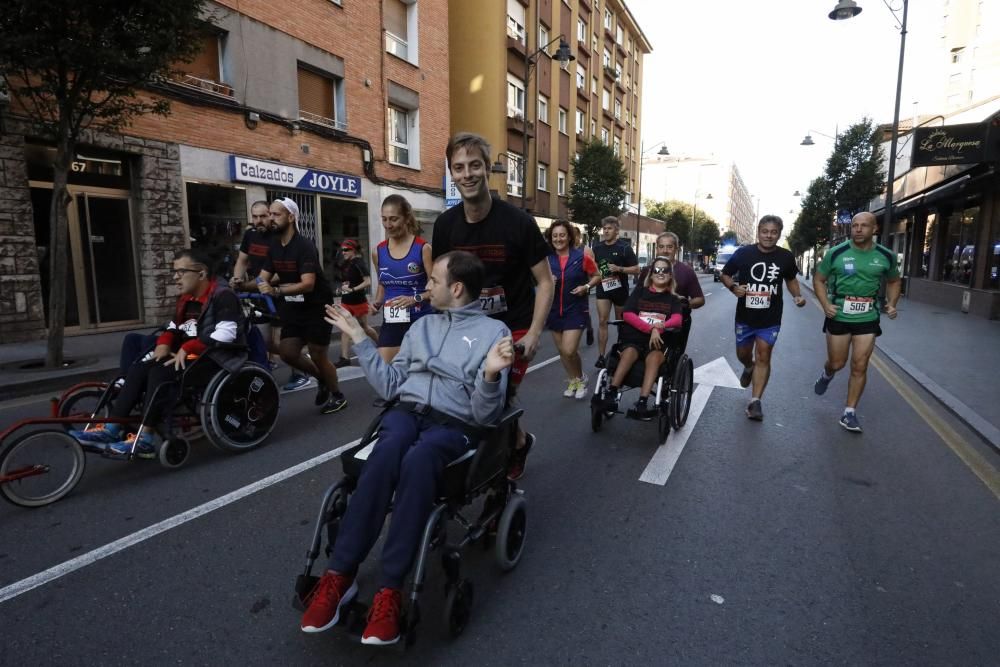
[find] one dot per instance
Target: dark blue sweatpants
(408, 459)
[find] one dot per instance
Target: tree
(69, 65)
(598, 188)
(676, 217)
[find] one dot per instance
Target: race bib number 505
(857, 305)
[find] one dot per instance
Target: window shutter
(395, 18)
(206, 63)
(315, 94)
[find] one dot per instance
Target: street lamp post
(846, 9)
(808, 141)
(694, 212)
(638, 210)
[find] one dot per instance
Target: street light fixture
(694, 211)
(638, 210)
(846, 9)
(499, 167)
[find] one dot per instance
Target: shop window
(321, 99)
(960, 246)
(217, 218)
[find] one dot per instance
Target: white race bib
(295, 298)
(396, 315)
(493, 300)
(609, 284)
(857, 305)
(189, 328)
(652, 319)
(758, 300)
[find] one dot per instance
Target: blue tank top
(566, 279)
(404, 277)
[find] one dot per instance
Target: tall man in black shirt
(518, 289)
(616, 260)
(305, 292)
(754, 274)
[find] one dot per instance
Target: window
(395, 27)
(581, 31)
(961, 230)
(399, 125)
(581, 121)
(515, 97)
(617, 148)
(543, 36)
(618, 35)
(608, 18)
(515, 20)
(543, 177)
(581, 78)
(562, 120)
(515, 174)
(561, 183)
(593, 44)
(321, 99)
(593, 128)
(543, 108)
(604, 135)
(606, 59)
(618, 109)
(605, 99)
(593, 85)
(956, 55)
(205, 71)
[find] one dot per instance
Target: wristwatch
(418, 298)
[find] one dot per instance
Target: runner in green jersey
(847, 282)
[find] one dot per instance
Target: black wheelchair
(502, 525)
(671, 400)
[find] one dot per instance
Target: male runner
(518, 289)
(305, 292)
(846, 284)
(616, 260)
(686, 285)
(759, 270)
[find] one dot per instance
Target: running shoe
(590, 336)
(335, 403)
(296, 382)
(822, 383)
(145, 446)
(746, 376)
(322, 394)
(601, 362)
(849, 420)
(640, 410)
(518, 458)
(333, 592)
(342, 363)
(99, 433)
(582, 387)
(611, 400)
(383, 619)
(571, 389)
(754, 410)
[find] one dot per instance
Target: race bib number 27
(493, 300)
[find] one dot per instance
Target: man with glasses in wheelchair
(457, 361)
(208, 319)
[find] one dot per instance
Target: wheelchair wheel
(82, 402)
(40, 467)
(681, 388)
(511, 531)
(173, 453)
(458, 607)
(596, 418)
(663, 421)
(238, 410)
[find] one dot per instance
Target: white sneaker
(572, 388)
(582, 388)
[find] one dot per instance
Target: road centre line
(55, 572)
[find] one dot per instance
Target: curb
(56, 383)
(983, 428)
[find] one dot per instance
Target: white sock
(848, 411)
(827, 376)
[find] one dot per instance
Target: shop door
(105, 255)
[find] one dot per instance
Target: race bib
(758, 300)
(611, 283)
(857, 305)
(189, 328)
(493, 300)
(295, 298)
(396, 315)
(652, 319)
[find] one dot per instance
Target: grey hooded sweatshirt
(441, 364)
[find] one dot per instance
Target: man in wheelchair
(208, 320)
(457, 361)
(651, 310)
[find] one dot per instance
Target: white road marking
(716, 373)
(47, 576)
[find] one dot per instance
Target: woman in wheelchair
(456, 361)
(651, 310)
(207, 319)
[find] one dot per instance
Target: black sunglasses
(661, 269)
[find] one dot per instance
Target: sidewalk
(954, 356)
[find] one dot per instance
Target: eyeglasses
(183, 271)
(661, 269)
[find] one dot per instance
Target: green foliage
(598, 188)
(676, 217)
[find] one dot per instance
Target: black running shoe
(601, 363)
(322, 394)
(746, 376)
(590, 336)
(754, 411)
(518, 458)
(335, 403)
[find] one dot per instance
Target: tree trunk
(58, 253)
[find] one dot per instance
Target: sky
(745, 80)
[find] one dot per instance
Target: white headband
(290, 206)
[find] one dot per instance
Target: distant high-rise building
(969, 52)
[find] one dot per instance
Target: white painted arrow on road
(714, 374)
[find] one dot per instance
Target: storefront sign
(451, 193)
(247, 170)
(949, 144)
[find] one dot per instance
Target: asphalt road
(788, 541)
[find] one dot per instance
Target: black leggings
(143, 378)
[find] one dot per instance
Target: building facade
(333, 104)
(535, 111)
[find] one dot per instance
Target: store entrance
(341, 220)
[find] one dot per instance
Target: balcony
(516, 123)
(515, 37)
(203, 85)
(610, 73)
(581, 92)
(322, 121)
(397, 46)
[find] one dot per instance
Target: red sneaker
(383, 619)
(518, 458)
(331, 593)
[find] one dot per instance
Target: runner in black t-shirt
(754, 274)
(305, 293)
(616, 261)
(518, 289)
(356, 279)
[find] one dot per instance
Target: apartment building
(539, 77)
(334, 103)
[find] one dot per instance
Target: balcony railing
(204, 85)
(397, 46)
(316, 119)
